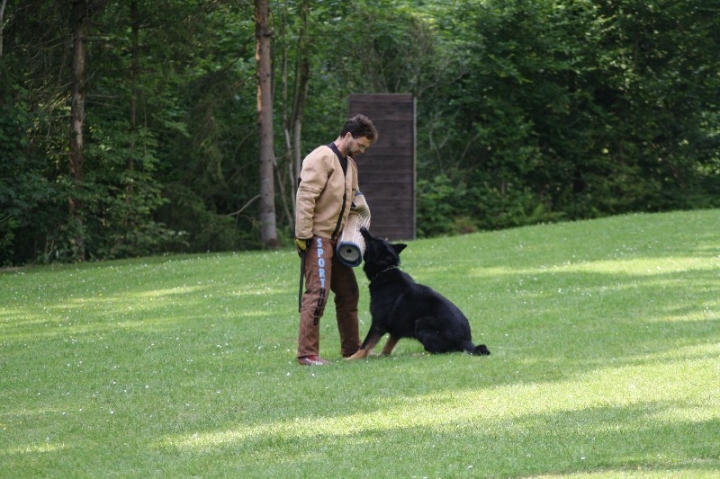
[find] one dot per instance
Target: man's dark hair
(358, 126)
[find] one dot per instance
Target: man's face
(358, 145)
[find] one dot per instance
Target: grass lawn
(605, 340)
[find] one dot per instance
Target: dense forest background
(130, 127)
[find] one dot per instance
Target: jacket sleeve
(313, 178)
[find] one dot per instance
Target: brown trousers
(325, 273)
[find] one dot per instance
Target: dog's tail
(479, 350)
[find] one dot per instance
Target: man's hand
(302, 244)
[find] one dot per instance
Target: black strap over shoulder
(343, 159)
(343, 163)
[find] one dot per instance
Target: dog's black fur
(406, 309)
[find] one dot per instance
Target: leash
(302, 277)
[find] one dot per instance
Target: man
(326, 191)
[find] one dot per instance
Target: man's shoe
(312, 361)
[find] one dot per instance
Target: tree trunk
(263, 34)
(77, 118)
(2, 23)
(294, 109)
(134, 68)
(302, 80)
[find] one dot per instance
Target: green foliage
(122, 192)
(436, 202)
(183, 129)
(567, 108)
(31, 197)
(604, 335)
(528, 111)
(200, 230)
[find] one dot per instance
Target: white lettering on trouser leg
(321, 275)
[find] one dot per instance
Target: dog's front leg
(367, 346)
(390, 345)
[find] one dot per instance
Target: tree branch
(244, 206)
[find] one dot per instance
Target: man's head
(360, 133)
(358, 126)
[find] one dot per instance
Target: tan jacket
(319, 208)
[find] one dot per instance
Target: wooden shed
(387, 169)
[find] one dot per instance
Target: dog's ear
(399, 247)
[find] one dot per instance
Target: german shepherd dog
(406, 309)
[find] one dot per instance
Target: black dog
(406, 309)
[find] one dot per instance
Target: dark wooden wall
(387, 170)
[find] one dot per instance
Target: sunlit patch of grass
(692, 470)
(604, 336)
(591, 394)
